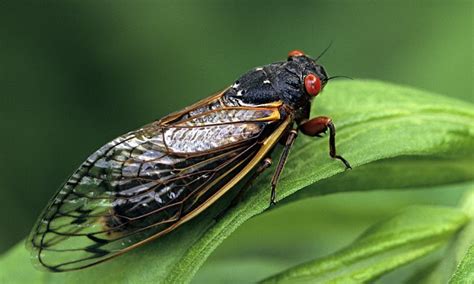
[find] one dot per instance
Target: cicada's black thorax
(280, 81)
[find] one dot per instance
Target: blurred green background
(75, 74)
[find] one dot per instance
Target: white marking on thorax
(239, 93)
(258, 69)
(266, 81)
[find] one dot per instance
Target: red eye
(312, 84)
(296, 53)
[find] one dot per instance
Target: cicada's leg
(281, 163)
(266, 164)
(319, 125)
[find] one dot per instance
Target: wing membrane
(147, 182)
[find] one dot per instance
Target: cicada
(148, 182)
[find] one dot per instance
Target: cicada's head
(302, 79)
(313, 75)
(295, 82)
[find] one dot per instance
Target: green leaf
(383, 247)
(465, 271)
(375, 121)
(456, 264)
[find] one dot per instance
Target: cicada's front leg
(319, 125)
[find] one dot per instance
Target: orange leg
(318, 125)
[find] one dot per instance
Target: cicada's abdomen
(146, 182)
(171, 170)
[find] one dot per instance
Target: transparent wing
(142, 184)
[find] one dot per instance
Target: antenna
(324, 51)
